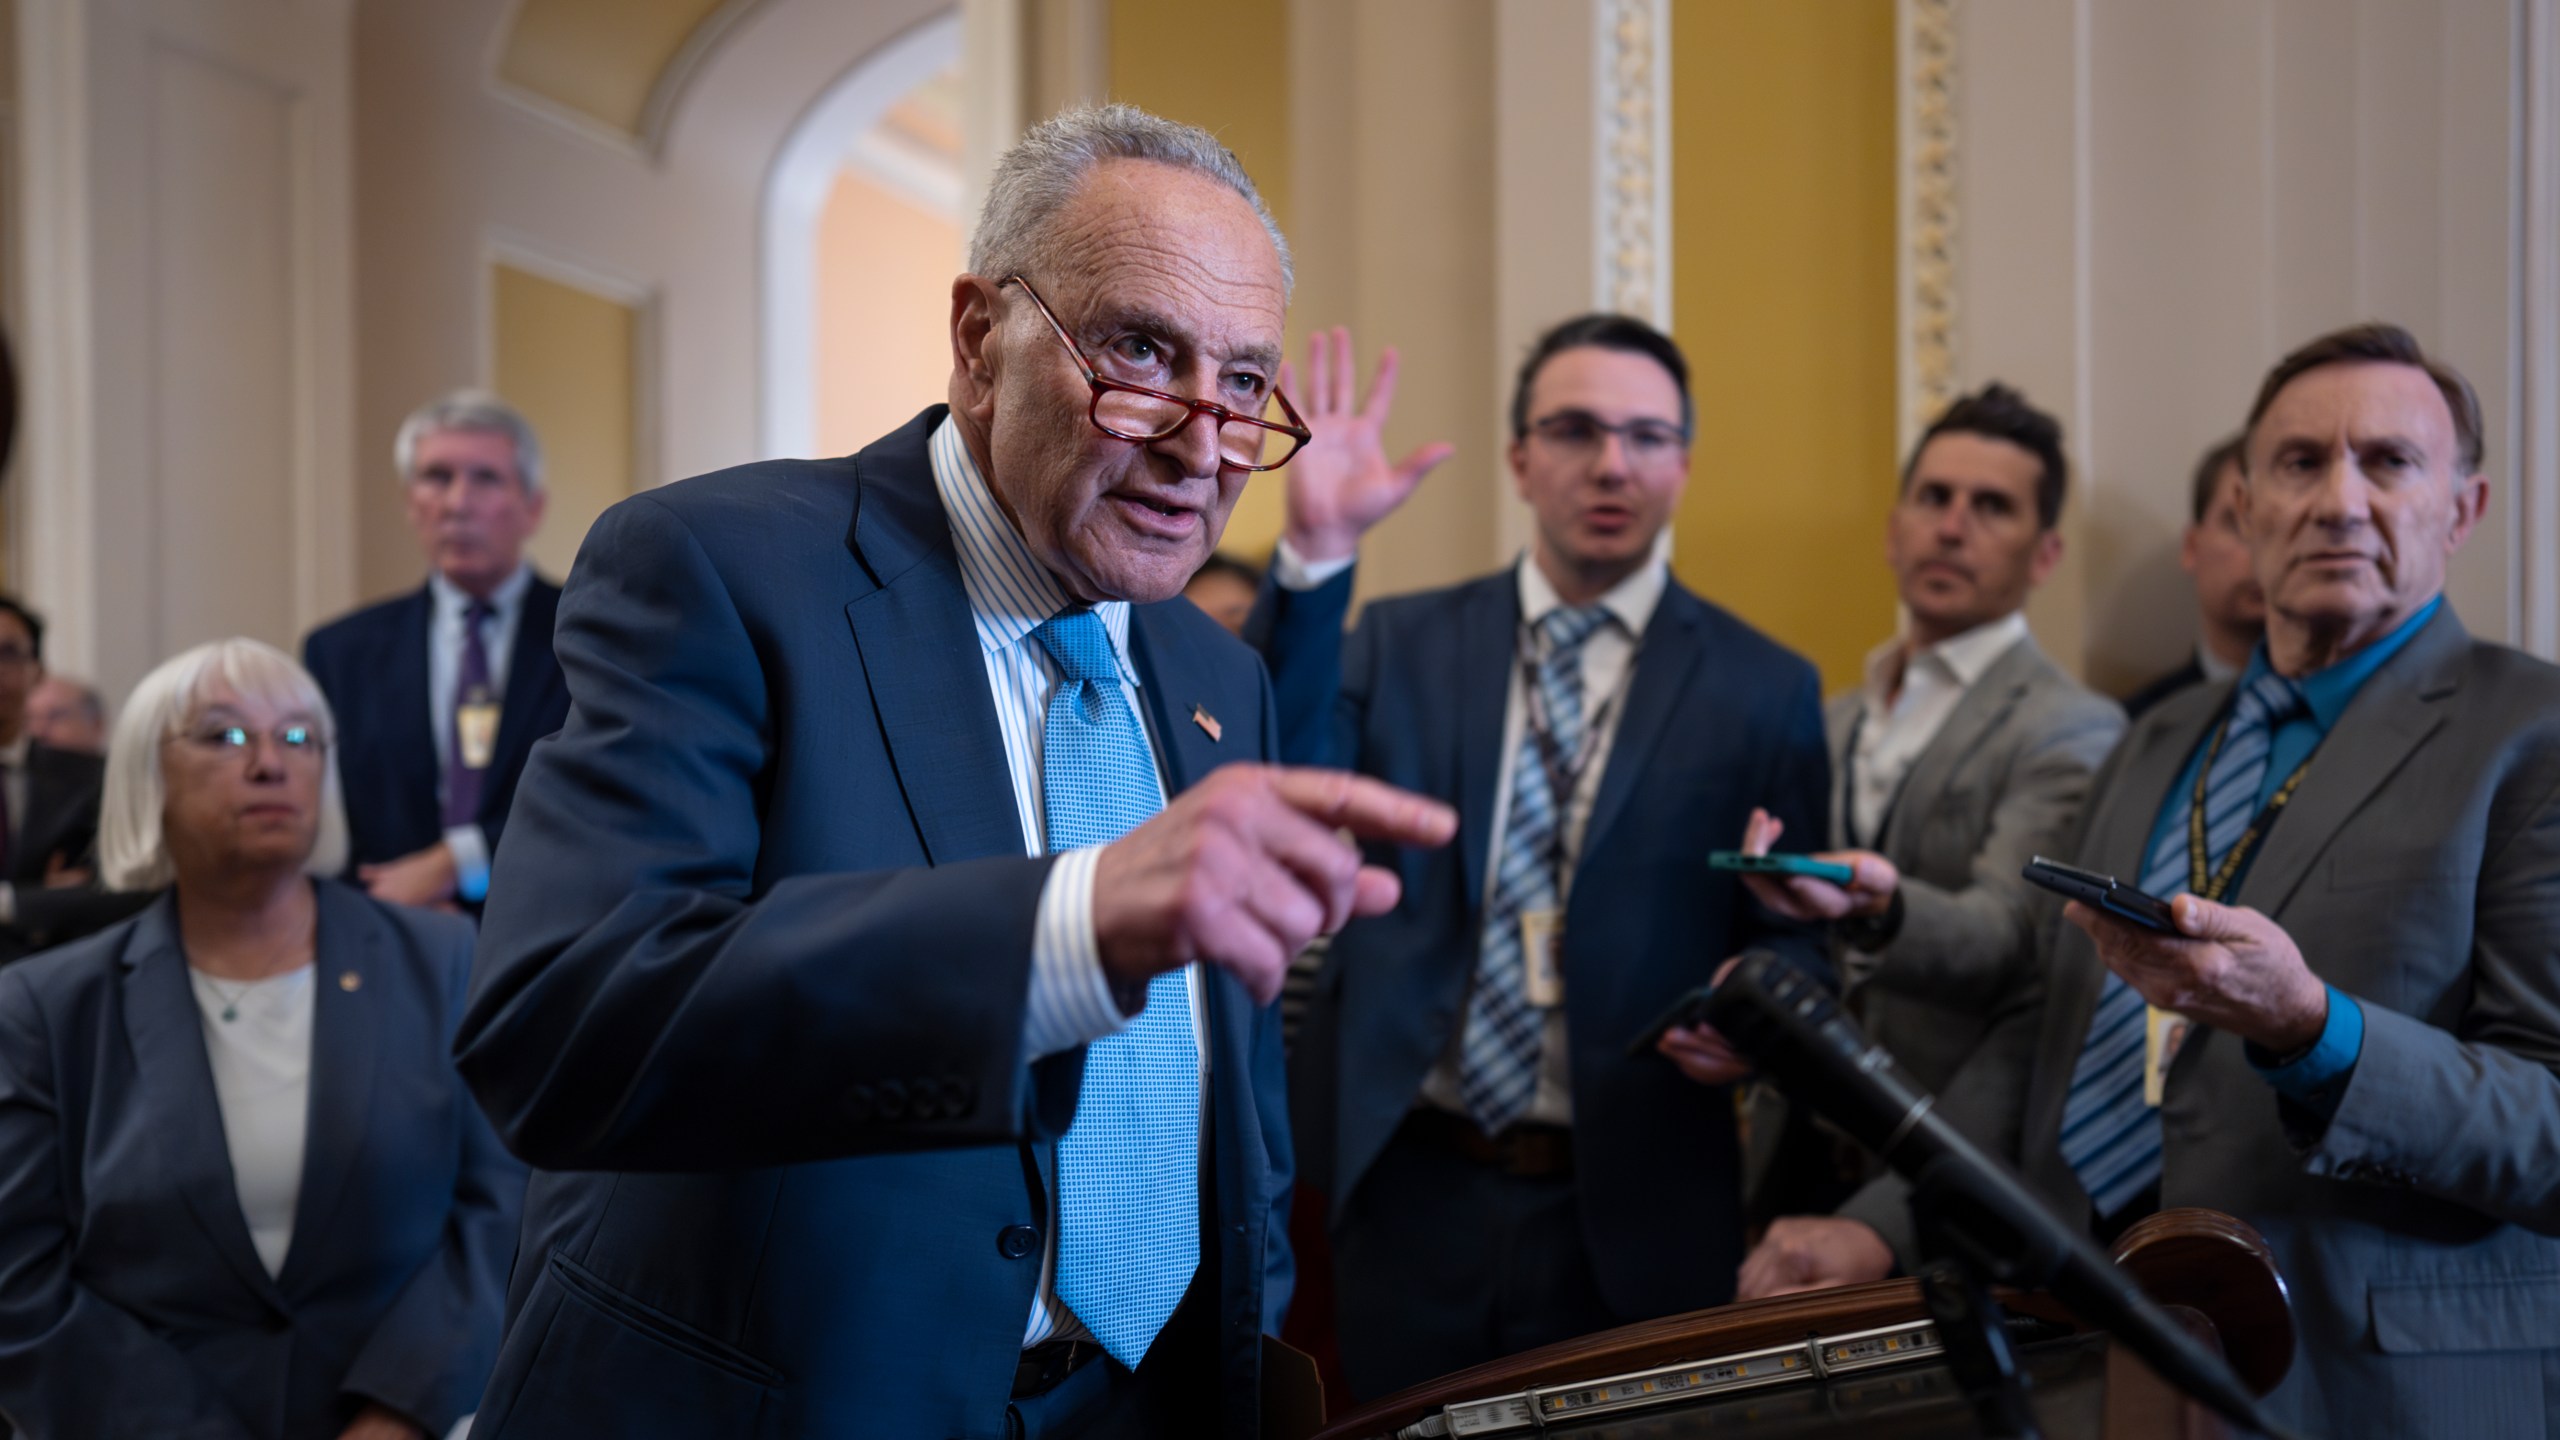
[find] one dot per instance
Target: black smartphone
(2103, 891)
(1830, 870)
(1688, 1010)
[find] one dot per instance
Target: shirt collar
(1631, 602)
(13, 756)
(1967, 656)
(451, 599)
(2212, 666)
(1010, 591)
(2329, 690)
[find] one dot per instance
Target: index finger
(1370, 809)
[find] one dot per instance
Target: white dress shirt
(2214, 667)
(1010, 595)
(261, 1065)
(444, 670)
(13, 789)
(1906, 704)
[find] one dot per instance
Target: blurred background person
(1223, 587)
(2230, 605)
(242, 1191)
(443, 691)
(1966, 753)
(49, 833)
(67, 714)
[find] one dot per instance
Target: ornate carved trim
(1631, 211)
(1929, 212)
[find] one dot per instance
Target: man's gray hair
(471, 410)
(1037, 177)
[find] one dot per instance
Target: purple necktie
(461, 782)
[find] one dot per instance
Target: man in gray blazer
(1966, 752)
(2370, 1066)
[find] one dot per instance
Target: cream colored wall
(569, 359)
(884, 312)
(600, 59)
(450, 170)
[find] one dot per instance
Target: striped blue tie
(1498, 1058)
(1129, 1168)
(2110, 1134)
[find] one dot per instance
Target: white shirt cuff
(470, 861)
(1294, 573)
(1070, 1002)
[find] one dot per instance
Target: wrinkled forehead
(1176, 251)
(252, 694)
(2361, 402)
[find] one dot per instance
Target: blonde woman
(242, 1193)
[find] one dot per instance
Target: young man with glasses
(877, 965)
(1501, 1171)
(49, 831)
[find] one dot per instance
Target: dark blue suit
(1718, 719)
(373, 667)
(132, 1303)
(757, 961)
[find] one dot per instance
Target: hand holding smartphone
(2104, 893)
(1745, 863)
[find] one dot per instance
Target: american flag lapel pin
(1201, 717)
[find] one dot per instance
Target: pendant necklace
(230, 998)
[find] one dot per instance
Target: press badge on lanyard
(2164, 1031)
(475, 730)
(1542, 930)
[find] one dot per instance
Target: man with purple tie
(440, 693)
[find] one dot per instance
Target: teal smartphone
(1735, 860)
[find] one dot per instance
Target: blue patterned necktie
(1498, 1057)
(1129, 1168)
(2110, 1134)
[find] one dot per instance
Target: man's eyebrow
(1149, 321)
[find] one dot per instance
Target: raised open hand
(1341, 483)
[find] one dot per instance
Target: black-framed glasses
(1581, 434)
(1135, 413)
(235, 741)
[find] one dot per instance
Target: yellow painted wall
(1783, 169)
(1224, 68)
(601, 58)
(884, 312)
(568, 360)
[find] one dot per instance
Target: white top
(262, 1080)
(13, 791)
(1010, 595)
(444, 672)
(1907, 704)
(1606, 657)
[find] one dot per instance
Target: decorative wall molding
(2536, 586)
(1631, 170)
(1927, 263)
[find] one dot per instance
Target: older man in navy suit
(1502, 1171)
(440, 693)
(879, 974)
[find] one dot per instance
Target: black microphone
(1774, 1011)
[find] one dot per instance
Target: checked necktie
(1128, 1169)
(2110, 1134)
(1498, 1059)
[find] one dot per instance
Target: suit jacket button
(893, 1100)
(1013, 1242)
(859, 1103)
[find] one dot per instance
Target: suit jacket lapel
(33, 836)
(416, 740)
(2390, 717)
(937, 717)
(533, 675)
(1982, 709)
(2121, 832)
(1166, 665)
(1487, 650)
(346, 1028)
(173, 1078)
(1663, 665)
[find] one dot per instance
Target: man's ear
(2048, 555)
(973, 357)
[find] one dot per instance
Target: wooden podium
(1865, 1360)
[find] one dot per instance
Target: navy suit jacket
(373, 667)
(753, 978)
(132, 1303)
(1718, 719)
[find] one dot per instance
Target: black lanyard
(1564, 772)
(2203, 877)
